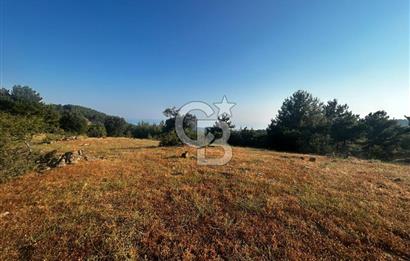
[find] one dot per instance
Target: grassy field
(139, 201)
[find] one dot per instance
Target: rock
(4, 214)
(397, 180)
(185, 154)
(70, 138)
(177, 173)
(43, 168)
(54, 160)
(47, 161)
(312, 159)
(302, 158)
(71, 157)
(61, 163)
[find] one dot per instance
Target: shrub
(248, 138)
(144, 130)
(115, 126)
(169, 139)
(15, 152)
(73, 122)
(96, 130)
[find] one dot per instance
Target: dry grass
(143, 202)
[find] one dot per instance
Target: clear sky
(134, 58)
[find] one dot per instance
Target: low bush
(16, 156)
(169, 139)
(96, 130)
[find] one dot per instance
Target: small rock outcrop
(70, 138)
(53, 159)
(185, 154)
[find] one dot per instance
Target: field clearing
(140, 201)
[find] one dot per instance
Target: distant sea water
(150, 121)
(403, 122)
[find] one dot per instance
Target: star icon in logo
(224, 107)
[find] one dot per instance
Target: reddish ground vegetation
(139, 201)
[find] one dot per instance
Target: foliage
(93, 116)
(96, 130)
(16, 156)
(216, 129)
(144, 130)
(169, 139)
(384, 137)
(51, 119)
(73, 122)
(115, 126)
(304, 124)
(245, 137)
(190, 120)
(21, 100)
(300, 125)
(23, 113)
(343, 126)
(169, 136)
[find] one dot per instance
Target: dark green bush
(73, 122)
(96, 130)
(144, 130)
(169, 139)
(115, 126)
(16, 156)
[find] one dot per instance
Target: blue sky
(135, 58)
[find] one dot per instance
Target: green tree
(73, 122)
(172, 113)
(96, 130)
(300, 125)
(216, 129)
(343, 126)
(26, 94)
(144, 130)
(169, 139)
(248, 138)
(51, 119)
(384, 137)
(169, 136)
(115, 126)
(22, 100)
(16, 132)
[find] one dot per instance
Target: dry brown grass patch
(139, 201)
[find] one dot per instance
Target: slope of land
(139, 201)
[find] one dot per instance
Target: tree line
(303, 124)
(23, 114)
(22, 101)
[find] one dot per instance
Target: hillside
(91, 114)
(137, 200)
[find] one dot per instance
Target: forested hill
(92, 115)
